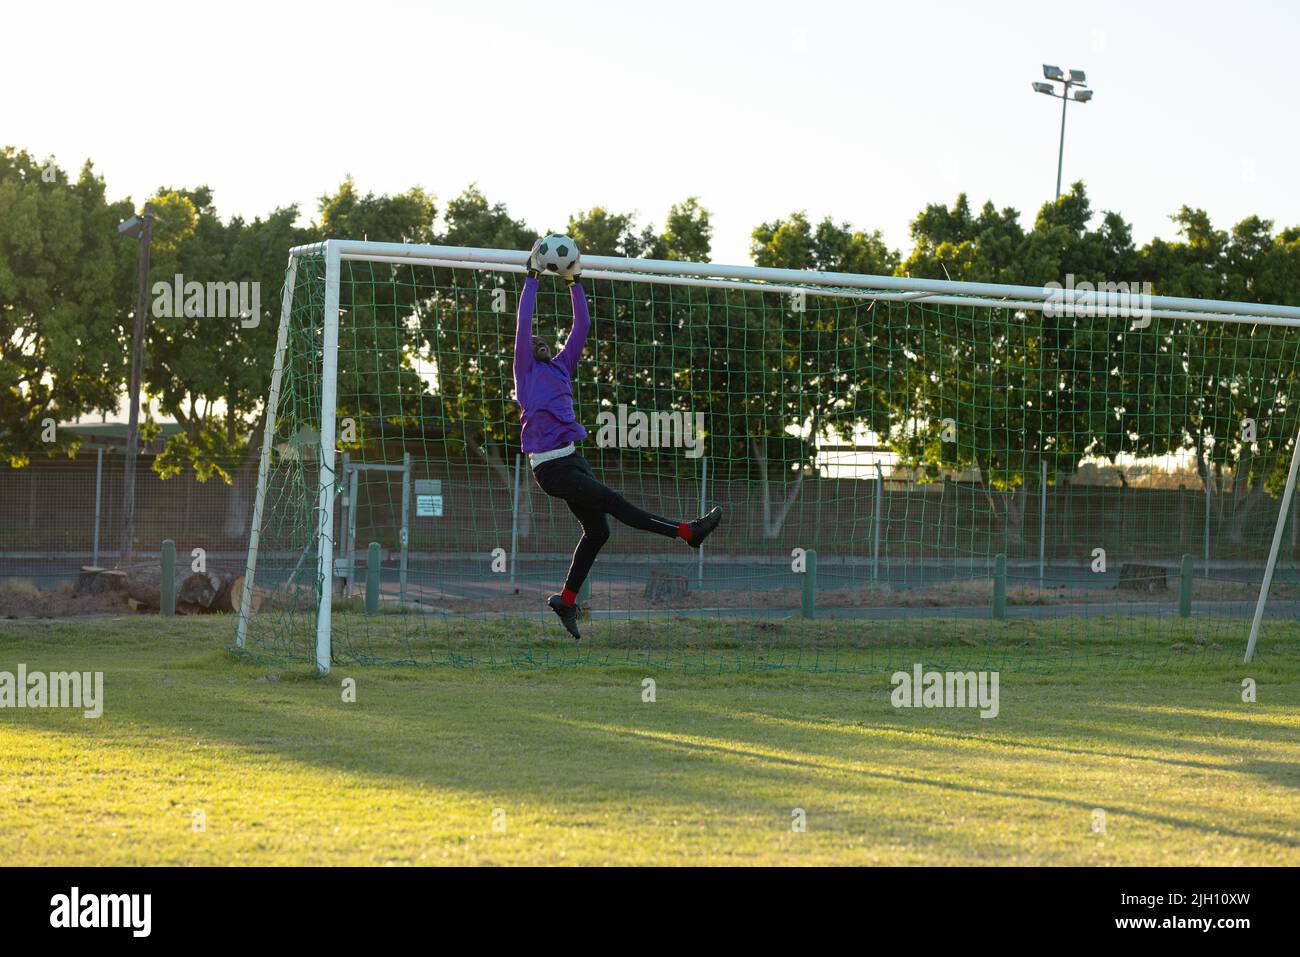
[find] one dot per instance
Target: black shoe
(701, 527)
(568, 615)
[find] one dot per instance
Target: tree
(598, 232)
(65, 295)
(687, 235)
(1232, 372)
(212, 374)
(812, 367)
(473, 221)
(1023, 388)
(470, 344)
(793, 243)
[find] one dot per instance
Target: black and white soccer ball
(557, 255)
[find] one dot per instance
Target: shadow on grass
(584, 735)
(563, 745)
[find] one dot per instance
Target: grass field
(284, 771)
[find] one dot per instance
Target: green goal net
(966, 472)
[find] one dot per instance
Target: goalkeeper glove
(575, 278)
(532, 271)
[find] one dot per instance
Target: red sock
(569, 596)
(684, 531)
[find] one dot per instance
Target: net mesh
(874, 458)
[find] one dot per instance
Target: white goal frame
(789, 281)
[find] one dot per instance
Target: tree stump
(1134, 576)
(198, 590)
(232, 593)
(94, 580)
(663, 585)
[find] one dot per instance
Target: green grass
(285, 772)
(712, 645)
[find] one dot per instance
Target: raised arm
(524, 329)
(573, 345)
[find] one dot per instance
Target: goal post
(909, 430)
(264, 460)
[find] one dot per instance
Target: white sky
(864, 111)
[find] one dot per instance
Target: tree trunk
(1015, 515)
(198, 591)
(144, 584)
(232, 593)
(772, 527)
(194, 593)
(1242, 509)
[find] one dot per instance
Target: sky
(861, 111)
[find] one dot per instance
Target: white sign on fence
(428, 498)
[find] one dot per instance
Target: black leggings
(572, 479)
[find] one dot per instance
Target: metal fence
(56, 515)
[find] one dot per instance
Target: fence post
(1185, 589)
(1042, 527)
(404, 536)
(353, 481)
(372, 579)
(167, 584)
(1207, 522)
(704, 484)
(875, 524)
(514, 523)
(99, 498)
(810, 584)
(1000, 587)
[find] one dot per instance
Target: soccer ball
(557, 255)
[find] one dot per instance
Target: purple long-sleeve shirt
(544, 390)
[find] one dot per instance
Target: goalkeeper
(544, 391)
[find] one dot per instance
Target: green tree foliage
(793, 243)
(1231, 372)
(1023, 388)
(473, 221)
(207, 371)
(383, 398)
(65, 288)
(600, 232)
(687, 234)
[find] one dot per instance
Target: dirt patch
(630, 596)
(20, 598)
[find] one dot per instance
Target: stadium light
(1076, 78)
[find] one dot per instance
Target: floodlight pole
(1068, 80)
(127, 549)
(1060, 153)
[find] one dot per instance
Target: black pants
(571, 478)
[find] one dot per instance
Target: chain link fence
(58, 515)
